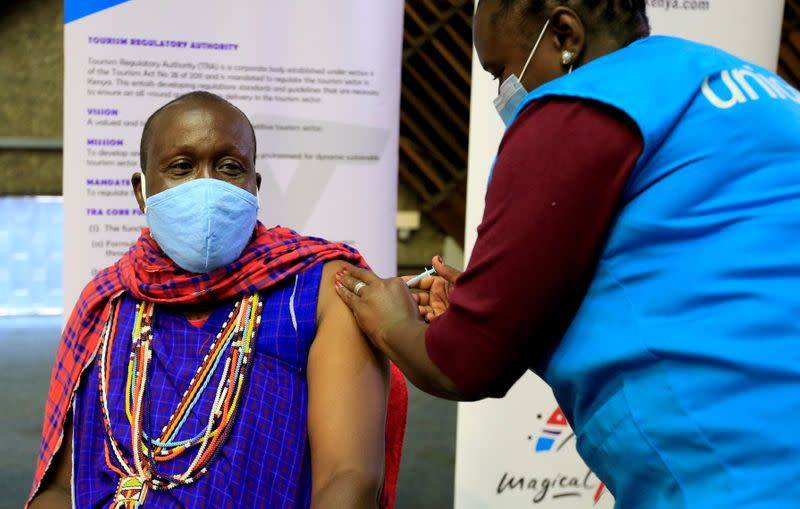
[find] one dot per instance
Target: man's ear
(136, 182)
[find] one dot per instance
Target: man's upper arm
(56, 488)
(348, 389)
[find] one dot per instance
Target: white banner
(319, 80)
(750, 30)
(517, 452)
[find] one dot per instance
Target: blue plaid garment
(265, 461)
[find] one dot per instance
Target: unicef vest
(681, 370)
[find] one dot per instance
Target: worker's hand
(376, 303)
(433, 292)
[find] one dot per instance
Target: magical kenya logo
(554, 434)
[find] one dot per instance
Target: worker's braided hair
(625, 20)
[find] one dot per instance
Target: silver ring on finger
(357, 288)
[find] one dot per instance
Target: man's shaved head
(196, 96)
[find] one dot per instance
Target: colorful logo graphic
(554, 428)
(555, 434)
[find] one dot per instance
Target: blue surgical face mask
(512, 93)
(202, 224)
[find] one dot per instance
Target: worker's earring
(568, 58)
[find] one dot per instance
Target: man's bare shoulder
(329, 304)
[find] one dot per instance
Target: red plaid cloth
(147, 274)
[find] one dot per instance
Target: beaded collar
(237, 338)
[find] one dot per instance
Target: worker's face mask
(202, 224)
(512, 93)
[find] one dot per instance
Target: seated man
(213, 364)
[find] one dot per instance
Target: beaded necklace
(236, 337)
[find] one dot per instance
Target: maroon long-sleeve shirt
(555, 191)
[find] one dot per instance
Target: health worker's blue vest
(681, 370)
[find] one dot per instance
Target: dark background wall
(31, 92)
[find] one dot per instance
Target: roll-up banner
(519, 451)
(320, 82)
